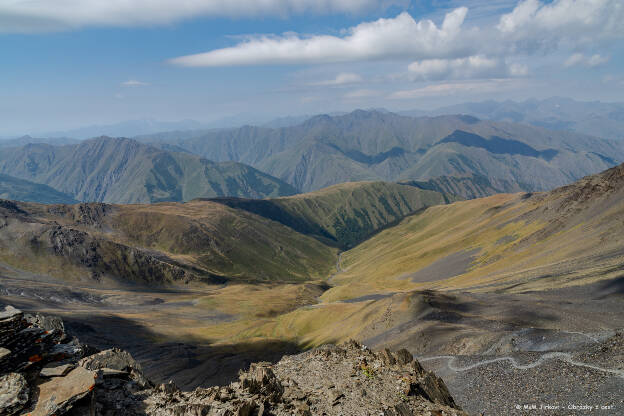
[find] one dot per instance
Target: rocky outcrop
(45, 372)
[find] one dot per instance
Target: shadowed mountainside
(509, 242)
(345, 214)
(126, 171)
(21, 190)
(466, 187)
(250, 240)
(374, 145)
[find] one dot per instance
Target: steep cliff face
(44, 372)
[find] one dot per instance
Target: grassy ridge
(224, 241)
(157, 244)
(521, 242)
(345, 214)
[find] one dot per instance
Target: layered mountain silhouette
(375, 145)
(596, 118)
(125, 171)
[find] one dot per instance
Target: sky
(71, 63)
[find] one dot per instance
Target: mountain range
(126, 171)
(196, 289)
(605, 120)
(456, 155)
(375, 145)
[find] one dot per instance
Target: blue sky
(71, 63)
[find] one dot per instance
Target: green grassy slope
(510, 242)
(503, 244)
(345, 214)
(126, 171)
(157, 244)
(22, 190)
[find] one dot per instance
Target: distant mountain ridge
(374, 145)
(126, 128)
(21, 190)
(126, 171)
(605, 120)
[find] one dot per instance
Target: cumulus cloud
(472, 67)
(592, 61)
(534, 24)
(531, 27)
(342, 78)
(43, 15)
(398, 38)
(134, 83)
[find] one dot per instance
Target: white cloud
(134, 83)
(396, 38)
(342, 78)
(535, 24)
(43, 15)
(472, 67)
(597, 60)
(530, 28)
(453, 88)
(588, 61)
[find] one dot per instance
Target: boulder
(403, 356)
(13, 393)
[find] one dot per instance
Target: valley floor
(494, 351)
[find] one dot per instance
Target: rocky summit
(45, 371)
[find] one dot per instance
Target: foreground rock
(44, 372)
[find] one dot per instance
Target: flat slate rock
(56, 370)
(60, 393)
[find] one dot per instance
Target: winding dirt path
(563, 356)
(338, 269)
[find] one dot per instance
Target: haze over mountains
(126, 171)
(605, 120)
(203, 250)
(374, 145)
(453, 154)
